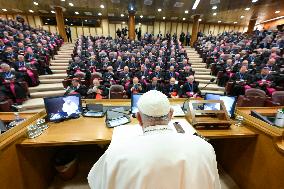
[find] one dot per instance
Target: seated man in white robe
(158, 159)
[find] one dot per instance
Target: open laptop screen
(63, 107)
(229, 102)
(134, 100)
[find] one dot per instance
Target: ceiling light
(102, 6)
(139, 23)
(242, 17)
(254, 1)
(123, 22)
(164, 18)
(122, 15)
(4, 10)
(46, 23)
(36, 3)
(100, 14)
(277, 18)
(71, 24)
(183, 18)
(76, 12)
(247, 9)
(214, 14)
(31, 11)
(141, 16)
(235, 22)
(159, 10)
(199, 19)
(219, 21)
(195, 4)
(214, 7)
(52, 11)
(62, 0)
(71, 4)
(66, 19)
(86, 20)
(186, 11)
(277, 12)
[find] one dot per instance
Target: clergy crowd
(24, 55)
(245, 61)
(151, 63)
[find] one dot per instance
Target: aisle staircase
(50, 85)
(202, 74)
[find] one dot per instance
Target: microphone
(211, 81)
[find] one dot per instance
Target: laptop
(229, 102)
(61, 108)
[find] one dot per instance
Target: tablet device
(134, 100)
(63, 107)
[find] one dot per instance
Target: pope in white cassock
(158, 159)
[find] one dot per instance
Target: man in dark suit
(154, 85)
(68, 33)
(241, 80)
(76, 88)
(190, 88)
(172, 90)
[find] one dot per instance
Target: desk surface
(94, 131)
(9, 116)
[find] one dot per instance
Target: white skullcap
(154, 103)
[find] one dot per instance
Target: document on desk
(134, 130)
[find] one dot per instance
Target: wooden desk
(85, 130)
(9, 116)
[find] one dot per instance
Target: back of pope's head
(154, 109)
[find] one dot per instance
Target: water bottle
(16, 121)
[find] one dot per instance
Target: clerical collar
(157, 129)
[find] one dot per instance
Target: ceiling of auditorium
(228, 11)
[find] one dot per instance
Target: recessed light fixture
(122, 15)
(71, 4)
(235, 22)
(214, 14)
(71, 24)
(66, 19)
(164, 18)
(102, 6)
(4, 10)
(48, 19)
(277, 12)
(159, 10)
(36, 3)
(52, 11)
(86, 20)
(62, 0)
(123, 22)
(139, 23)
(31, 11)
(199, 19)
(183, 18)
(186, 11)
(76, 12)
(141, 16)
(254, 1)
(219, 21)
(247, 9)
(195, 4)
(214, 7)
(100, 14)
(46, 23)
(242, 17)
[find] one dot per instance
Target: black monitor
(229, 102)
(63, 107)
(134, 100)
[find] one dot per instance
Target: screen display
(229, 102)
(134, 100)
(63, 107)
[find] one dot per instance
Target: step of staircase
(203, 80)
(65, 52)
(58, 71)
(43, 94)
(46, 87)
(58, 67)
(59, 64)
(203, 65)
(65, 60)
(204, 77)
(35, 103)
(198, 63)
(54, 76)
(212, 87)
(193, 55)
(62, 56)
(49, 81)
(201, 69)
(202, 73)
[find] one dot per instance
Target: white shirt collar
(157, 129)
